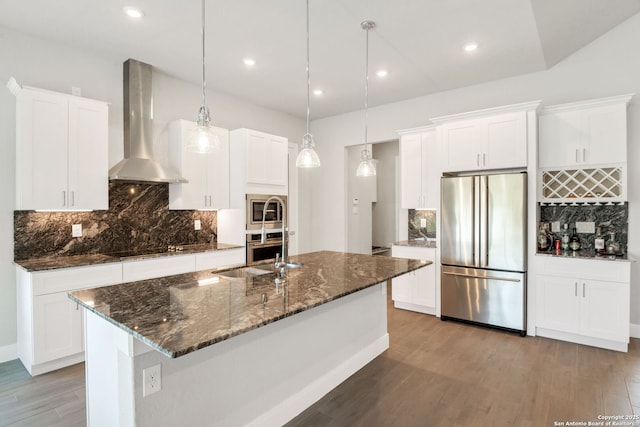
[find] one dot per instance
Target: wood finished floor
(434, 374)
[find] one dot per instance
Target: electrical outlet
(423, 222)
(555, 226)
(585, 227)
(197, 225)
(151, 380)
(76, 230)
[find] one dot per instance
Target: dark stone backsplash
(609, 217)
(417, 232)
(138, 219)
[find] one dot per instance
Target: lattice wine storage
(596, 185)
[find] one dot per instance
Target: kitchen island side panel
(263, 377)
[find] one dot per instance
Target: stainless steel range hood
(138, 164)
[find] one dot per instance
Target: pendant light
(366, 166)
(308, 158)
(202, 139)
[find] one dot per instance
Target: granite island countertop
(55, 262)
(180, 314)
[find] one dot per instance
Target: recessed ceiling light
(382, 73)
(133, 12)
(318, 92)
(470, 47)
(249, 62)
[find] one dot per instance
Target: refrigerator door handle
(506, 279)
(483, 218)
(476, 221)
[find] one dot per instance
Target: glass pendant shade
(366, 167)
(202, 139)
(307, 157)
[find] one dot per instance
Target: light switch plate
(197, 225)
(76, 230)
(585, 227)
(423, 222)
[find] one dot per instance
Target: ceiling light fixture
(133, 12)
(318, 92)
(470, 47)
(249, 62)
(307, 157)
(366, 166)
(382, 73)
(202, 138)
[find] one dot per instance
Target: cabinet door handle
(73, 198)
(210, 201)
(575, 288)
(584, 154)
(205, 200)
(484, 159)
(577, 160)
(478, 160)
(583, 290)
(64, 198)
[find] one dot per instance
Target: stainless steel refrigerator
(484, 249)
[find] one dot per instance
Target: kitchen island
(233, 346)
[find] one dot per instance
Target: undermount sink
(256, 270)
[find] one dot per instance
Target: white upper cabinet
(496, 138)
(259, 164)
(61, 151)
(419, 170)
(584, 134)
(207, 174)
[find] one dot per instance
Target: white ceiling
(418, 41)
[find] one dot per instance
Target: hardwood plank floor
(434, 374)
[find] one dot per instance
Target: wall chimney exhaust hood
(138, 164)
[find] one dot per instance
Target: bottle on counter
(564, 245)
(543, 239)
(598, 243)
(574, 241)
(613, 247)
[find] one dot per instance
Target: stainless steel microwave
(274, 214)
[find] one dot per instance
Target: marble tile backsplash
(138, 219)
(416, 231)
(609, 217)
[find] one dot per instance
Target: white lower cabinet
(50, 325)
(416, 290)
(583, 301)
(220, 259)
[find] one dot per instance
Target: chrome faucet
(279, 265)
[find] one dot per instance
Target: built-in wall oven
(257, 251)
(274, 214)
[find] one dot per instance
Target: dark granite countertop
(52, 263)
(417, 243)
(585, 254)
(180, 314)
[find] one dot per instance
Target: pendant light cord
(308, 75)
(204, 84)
(366, 88)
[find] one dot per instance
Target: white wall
(40, 63)
(385, 208)
(608, 66)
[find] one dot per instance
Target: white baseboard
(8, 352)
(313, 392)
(634, 331)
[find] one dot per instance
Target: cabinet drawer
(413, 252)
(157, 267)
(218, 259)
(611, 271)
(69, 279)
